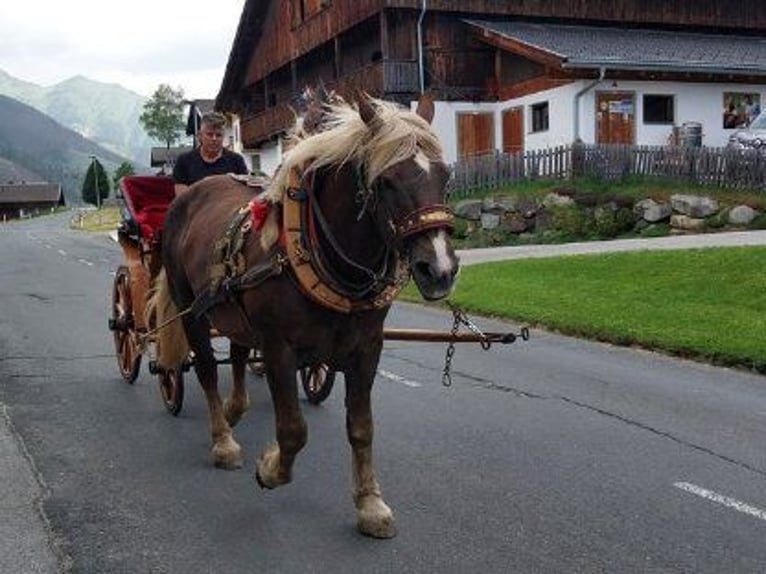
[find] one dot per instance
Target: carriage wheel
(123, 327)
(317, 382)
(172, 390)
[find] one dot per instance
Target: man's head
(211, 134)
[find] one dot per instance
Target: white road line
(398, 379)
(721, 499)
(88, 263)
(62, 252)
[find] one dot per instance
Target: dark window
(540, 117)
(658, 109)
(305, 9)
(272, 99)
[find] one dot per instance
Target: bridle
(313, 246)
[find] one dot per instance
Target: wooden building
(23, 199)
(504, 73)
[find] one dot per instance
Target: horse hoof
(260, 482)
(227, 456)
(375, 519)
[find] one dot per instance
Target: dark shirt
(190, 167)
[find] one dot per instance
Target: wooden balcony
(383, 79)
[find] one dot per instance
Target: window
(659, 109)
(539, 117)
(305, 9)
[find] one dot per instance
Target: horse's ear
(321, 93)
(425, 107)
(366, 109)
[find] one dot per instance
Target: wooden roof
(162, 156)
(31, 193)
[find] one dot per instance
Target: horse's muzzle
(434, 264)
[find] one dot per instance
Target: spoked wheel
(123, 327)
(317, 382)
(172, 390)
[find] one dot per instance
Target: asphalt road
(554, 455)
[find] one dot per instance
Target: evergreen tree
(163, 115)
(96, 174)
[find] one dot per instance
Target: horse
(356, 209)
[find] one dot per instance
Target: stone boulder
(694, 206)
(742, 215)
(469, 209)
(651, 211)
(686, 223)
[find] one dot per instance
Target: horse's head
(409, 197)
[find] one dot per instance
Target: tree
(125, 168)
(163, 115)
(95, 173)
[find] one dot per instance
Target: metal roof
(637, 49)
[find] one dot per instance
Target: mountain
(105, 113)
(35, 146)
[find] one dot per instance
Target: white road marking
(398, 379)
(62, 252)
(88, 263)
(721, 499)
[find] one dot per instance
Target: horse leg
(274, 466)
(238, 401)
(226, 452)
(374, 517)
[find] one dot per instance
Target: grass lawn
(707, 304)
(104, 219)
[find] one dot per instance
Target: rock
(694, 205)
(469, 209)
(686, 223)
(490, 220)
(652, 211)
(554, 199)
(516, 222)
(742, 215)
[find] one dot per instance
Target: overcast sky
(139, 44)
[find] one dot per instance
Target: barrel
(692, 134)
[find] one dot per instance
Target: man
(209, 158)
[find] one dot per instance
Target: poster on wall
(740, 108)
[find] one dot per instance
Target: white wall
(702, 103)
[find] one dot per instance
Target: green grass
(707, 304)
(104, 219)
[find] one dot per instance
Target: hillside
(32, 142)
(104, 113)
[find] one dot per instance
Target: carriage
(145, 201)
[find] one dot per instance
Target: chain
(446, 376)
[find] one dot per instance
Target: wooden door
(615, 117)
(513, 130)
(475, 133)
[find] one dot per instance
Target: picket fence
(720, 167)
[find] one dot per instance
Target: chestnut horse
(356, 208)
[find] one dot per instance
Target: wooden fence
(720, 167)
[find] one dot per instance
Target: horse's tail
(171, 346)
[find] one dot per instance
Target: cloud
(139, 45)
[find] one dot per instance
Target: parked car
(751, 137)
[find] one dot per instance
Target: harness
(299, 249)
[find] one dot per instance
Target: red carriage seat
(147, 199)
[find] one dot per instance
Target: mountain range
(105, 113)
(50, 133)
(35, 147)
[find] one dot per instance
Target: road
(554, 455)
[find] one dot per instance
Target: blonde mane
(397, 134)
